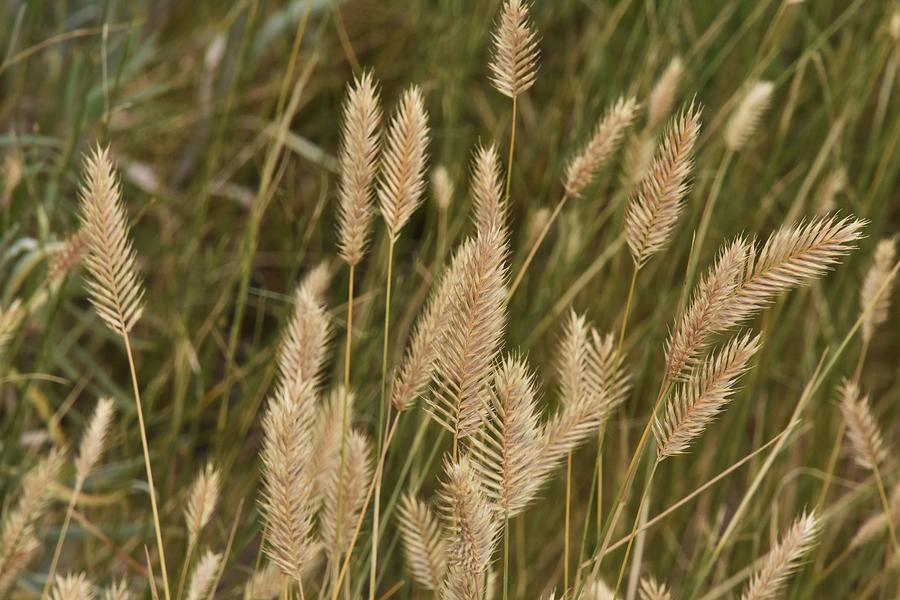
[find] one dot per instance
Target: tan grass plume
(875, 295)
(442, 187)
(203, 576)
(863, 432)
(113, 283)
(305, 341)
(514, 60)
(404, 161)
(93, 441)
(662, 96)
(423, 546)
(650, 589)
(783, 559)
(655, 206)
(358, 163)
(487, 189)
(745, 119)
(72, 587)
(355, 478)
(201, 502)
(118, 591)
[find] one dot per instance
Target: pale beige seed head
(265, 584)
(637, 158)
(603, 143)
(662, 96)
(118, 591)
(358, 158)
(745, 119)
(93, 441)
(656, 205)
(423, 544)
(345, 495)
(113, 283)
(201, 501)
(487, 189)
(833, 184)
(68, 256)
(651, 589)
(317, 280)
(875, 295)
(72, 587)
(404, 161)
(304, 344)
(203, 576)
(768, 582)
(863, 432)
(441, 187)
(514, 61)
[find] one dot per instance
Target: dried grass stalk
(783, 559)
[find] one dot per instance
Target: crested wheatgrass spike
(317, 280)
(470, 525)
(662, 97)
(358, 163)
(18, 540)
(862, 430)
(875, 296)
(265, 584)
(703, 317)
(203, 576)
(287, 485)
(201, 502)
(441, 187)
(404, 161)
(656, 205)
(113, 284)
(507, 456)
(571, 364)
(356, 478)
(471, 337)
(606, 138)
(72, 587)
(784, 559)
(514, 61)
(305, 341)
(745, 119)
(68, 256)
(651, 589)
(423, 545)
(118, 591)
(326, 439)
(93, 441)
(417, 368)
(487, 189)
(702, 397)
(832, 185)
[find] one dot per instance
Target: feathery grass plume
(265, 584)
(875, 294)
(203, 576)
(356, 478)
(603, 387)
(201, 502)
(93, 441)
(404, 161)
(358, 158)
(487, 189)
(877, 525)
(862, 430)
(784, 559)
(637, 158)
(305, 341)
(471, 336)
(423, 546)
(470, 525)
(72, 587)
(18, 541)
(596, 589)
(287, 483)
(662, 96)
(536, 225)
(651, 589)
(10, 319)
(656, 204)
(68, 256)
(606, 138)
(507, 455)
(704, 395)
(418, 365)
(324, 459)
(441, 187)
(571, 364)
(514, 61)
(745, 119)
(114, 287)
(118, 591)
(833, 184)
(792, 256)
(703, 316)
(317, 280)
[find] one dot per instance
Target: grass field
(592, 410)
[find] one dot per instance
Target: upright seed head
(93, 441)
(784, 559)
(201, 501)
(875, 295)
(441, 187)
(514, 61)
(662, 97)
(745, 118)
(863, 433)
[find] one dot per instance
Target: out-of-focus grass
(186, 93)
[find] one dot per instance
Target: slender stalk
(567, 521)
(376, 509)
(62, 538)
(537, 244)
(634, 274)
(887, 510)
(184, 569)
(512, 146)
(345, 423)
(637, 518)
(506, 558)
(149, 469)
